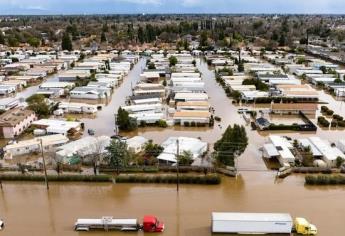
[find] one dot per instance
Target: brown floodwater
(28, 209)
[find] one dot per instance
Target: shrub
(325, 179)
(329, 112)
(323, 122)
(211, 179)
(162, 123)
(57, 178)
(324, 109)
(341, 123)
(334, 123)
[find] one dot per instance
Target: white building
(74, 107)
(283, 147)
(136, 144)
(49, 142)
(330, 154)
(193, 145)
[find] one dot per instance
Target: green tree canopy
(118, 155)
(172, 61)
(153, 149)
(233, 142)
(66, 43)
(185, 158)
(124, 121)
(38, 104)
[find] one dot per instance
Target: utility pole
(44, 165)
(177, 165)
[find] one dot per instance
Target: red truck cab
(151, 224)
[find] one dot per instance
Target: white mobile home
(283, 147)
(49, 142)
(187, 97)
(70, 107)
(90, 93)
(194, 145)
(330, 154)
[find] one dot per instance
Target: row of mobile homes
(49, 143)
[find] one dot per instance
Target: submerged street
(185, 213)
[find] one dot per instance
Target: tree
(38, 104)
(34, 42)
(303, 41)
(282, 40)
(152, 149)
(185, 45)
(338, 81)
(308, 157)
(103, 37)
(323, 69)
(151, 66)
(66, 43)
(339, 162)
(2, 38)
(185, 159)
(141, 35)
(203, 39)
(233, 143)
(240, 67)
(125, 122)
(12, 41)
(118, 155)
(172, 61)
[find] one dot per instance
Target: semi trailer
(149, 224)
(259, 223)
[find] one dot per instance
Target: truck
(149, 224)
(303, 227)
(259, 223)
(251, 223)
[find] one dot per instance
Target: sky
(9, 7)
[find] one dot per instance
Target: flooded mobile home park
(115, 130)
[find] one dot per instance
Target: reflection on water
(28, 209)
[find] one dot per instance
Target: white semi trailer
(251, 223)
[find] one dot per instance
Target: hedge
(210, 179)
(325, 180)
(57, 178)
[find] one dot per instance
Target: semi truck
(259, 223)
(149, 224)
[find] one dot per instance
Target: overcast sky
(170, 6)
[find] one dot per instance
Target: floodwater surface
(28, 209)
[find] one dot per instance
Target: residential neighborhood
(190, 120)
